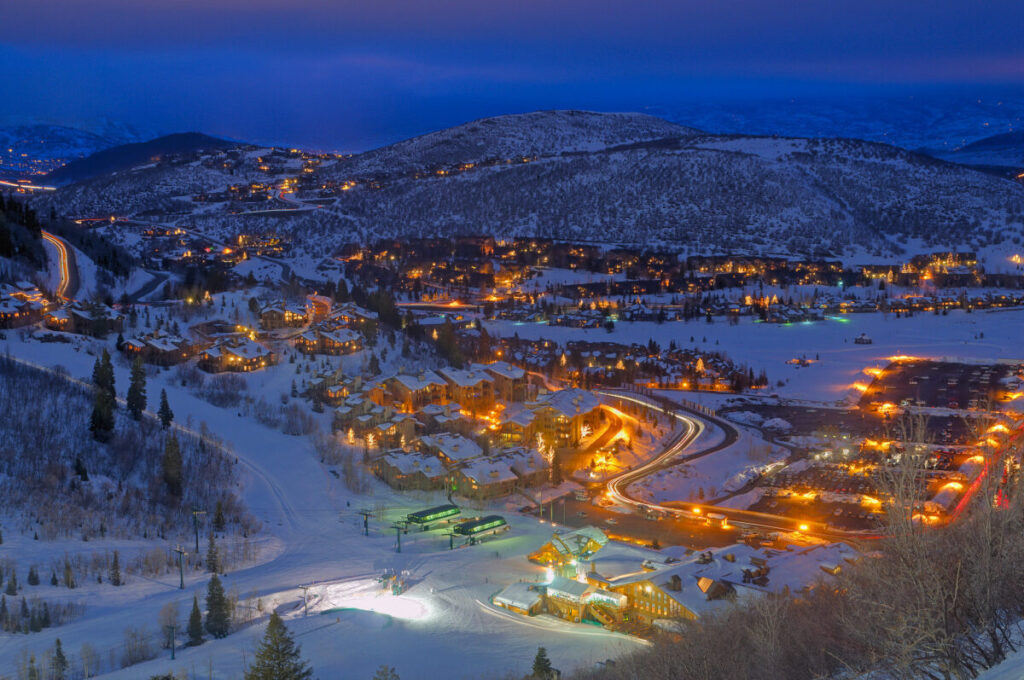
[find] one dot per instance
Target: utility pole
(398, 536)
(181, 566)
(195, 523)
(172, 628)
(366, 521)
(305, 602)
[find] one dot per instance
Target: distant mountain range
(606, 178)
(126, 156)
(999, 152)
(36, 149)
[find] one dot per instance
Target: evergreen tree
(33, 576)
(219, 522)
(195, 624)
(136, 398)
(44, 618)
(12, 585)
(278, 657)
(53, 578)
(171, 466)
(542, 665)
(59, 662)
(218, 619)
(212, 558)
(165, 412)
(3, 611)
(33, 670)
(101, 423)
(115, 571)
(103, 375)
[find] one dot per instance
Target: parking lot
(936, 384)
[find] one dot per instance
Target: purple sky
(341, 74)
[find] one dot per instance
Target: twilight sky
(349, 75)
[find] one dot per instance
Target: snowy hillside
(625, 178)
(541, 133)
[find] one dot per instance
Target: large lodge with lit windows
(596, 580)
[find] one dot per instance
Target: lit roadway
(679, 525)
(68, 285)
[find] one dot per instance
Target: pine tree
(115, 571)
(278, 657)
(542, 665)
(136, 397)
(33, 576)
(12, 585)
(218, 619)
(44, 618)
(53, 578)
(195, 624)
(219, 522)
(101, 423)
(171, 466)
(165, 412)
(212, 558)
(59, 662)
(33, 671)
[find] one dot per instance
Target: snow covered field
(769, 346)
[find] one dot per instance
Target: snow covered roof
(567, 588)
(519, 595)
(571, 402)
(464, 378)
(410, 463)
(454, 447)
(421, 381)
(502, 369)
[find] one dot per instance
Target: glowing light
(999, 427)
(876, 372)
(860, 386)
(804, 527)
(903, 357)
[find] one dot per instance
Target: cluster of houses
(612, 364)
(484, 430)
(592, 579)
(85, 318)
(21, 303)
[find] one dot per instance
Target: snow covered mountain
(608, 178)
(1004, 150)
(36, 149)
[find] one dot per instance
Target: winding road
(69, 281)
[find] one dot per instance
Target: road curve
(68, 285)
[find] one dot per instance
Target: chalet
(238, 354)
(407, 471)
(281, 315)
(510, 382)
(472, 388)
(452, 449)
(162, 350)
(413, 392)
(563, 417)
(85, 318)
(336, 342)
(501, 474)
